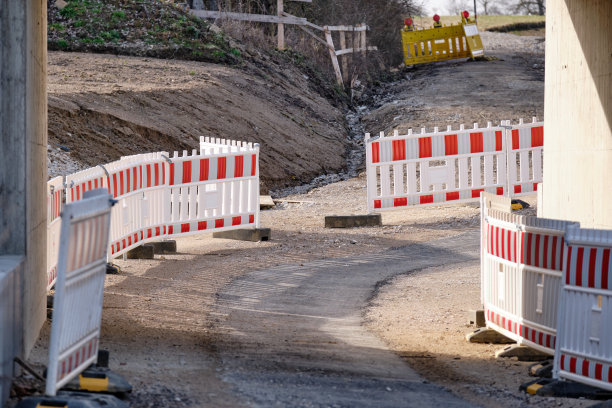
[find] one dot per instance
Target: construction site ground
(314, 316)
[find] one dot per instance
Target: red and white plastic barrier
(216, 188)
(77, 304)
(522, 276)
(584, 347)
(55, 198)
(452, 166)
(525, 157)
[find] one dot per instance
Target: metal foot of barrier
(543, 369)
(99, 379)
(522, 353)
(112, 269)
(487, 336)
(548, 387)
(247, 234)
(73, 400)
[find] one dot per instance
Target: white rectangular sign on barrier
(77, 305)
(584, 347)
(522, 276)
(55, 196)
(452, 166)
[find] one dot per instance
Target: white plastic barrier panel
(86, 180)
(77, 305)
(522, 277)
(55, 197)
(139, 184)
(217, 189)
(525, 157)
(434, 168)
(584, 349)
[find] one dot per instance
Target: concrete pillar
(23, 144)
(578, 113)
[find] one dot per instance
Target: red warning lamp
(466, 14)
(436, 18)
(408, 22)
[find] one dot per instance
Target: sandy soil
(159, 320)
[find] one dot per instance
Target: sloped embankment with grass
(104, 106)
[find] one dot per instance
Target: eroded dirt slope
(102, 107)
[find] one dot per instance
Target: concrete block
(164, 247)
(543, 369)
(351, 221)
(487, 336)
(522, 353)
(477, 317)
(144, 251)
(266, 202)
(246, 234)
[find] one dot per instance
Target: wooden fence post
(363, 39)
(344, 57)
(281, 26)
(334, 57)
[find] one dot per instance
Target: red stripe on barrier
(187, 171)
(450, 145)
(517, 189)
(497, 241)
(156, 168)
(424, 147)
(592, 258)
(399, 150)
(219, 223)
(452, 196)
(203, 169)
(170, 230)
(377, 204)
(499, 141)
(545, 253)
(115, 192)
(568, 266)
(238, 166)
(426, 199)
(148, 175)
(476, 193)
(185, 227)
(579, 257)
(503, 244)
(400, 202)
(476, 145)
(536, 255)
(537, 136)
(598, 371)
(535, 186)
(201, 225)
(585, 368)
(171, 175)
(122, 182)
(515, 139)
(157, 231)
(500, 191)
(221, 163)
(553, 261)
(605, 270)
(89, 185)
(251, 218)
(149, 233)
(253, 164)
(509, 243)
(236, 220)
(563, 361)
(375, 152)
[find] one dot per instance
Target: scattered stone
(522, 353)
(351, 221)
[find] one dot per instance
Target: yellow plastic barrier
(441, 43)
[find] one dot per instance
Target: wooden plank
(281, 26)
(351, 50)
(334, 57)
(260, 18)
(303, 1)
(316, 27)
(346, 28)
(345, 59)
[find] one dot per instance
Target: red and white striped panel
(441, 197)
(502, 242)
(534, 336)
(588, 267)
(88, 242)
(75, 191)
(55, 199)
(391, 149)
(82, 356)
(582, 367)
(54, 205)
(136, 238)
(194, 169)
(136, 178)
(526, 139)
(542, 250)
(210, 224)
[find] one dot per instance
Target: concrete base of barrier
(73, 400)
(351, 221)
(144, 251)
(546, 387)
(542, 370)
(477, 317)
(522, 353)
(164, 247)
(487, 336)
(252, 234)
